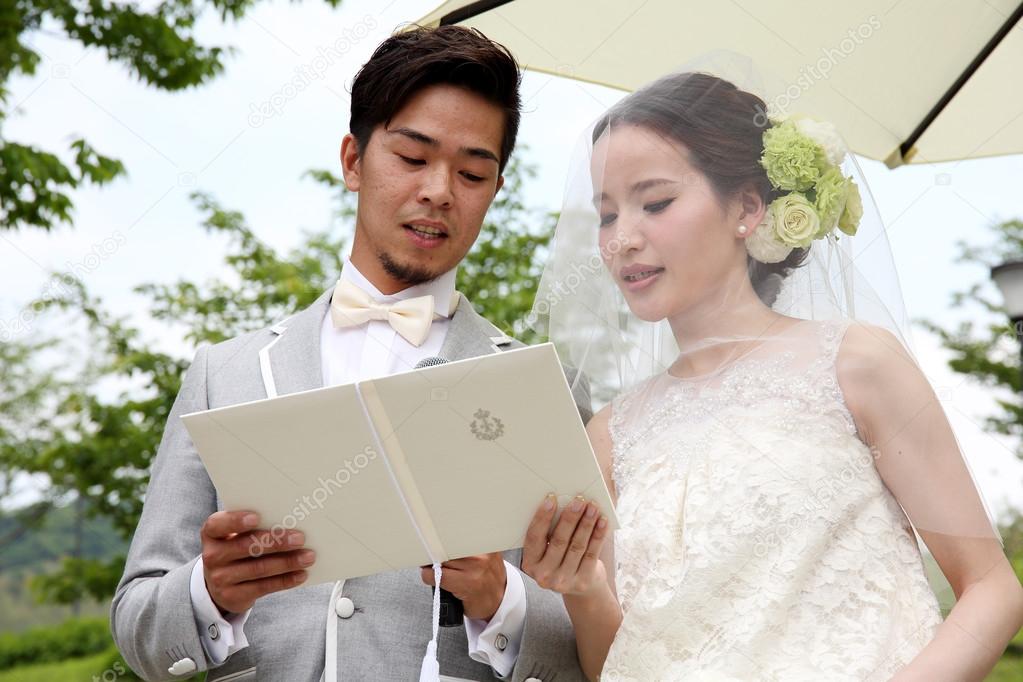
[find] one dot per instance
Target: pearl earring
(743, 230)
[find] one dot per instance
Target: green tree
(988, 352)
(156, 46)
(501, 273)
(96, 450)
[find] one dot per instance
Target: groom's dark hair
(412, 60)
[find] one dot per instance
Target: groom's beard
(407, 274)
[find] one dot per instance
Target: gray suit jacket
(385, 639)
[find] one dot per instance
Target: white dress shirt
(354, 354)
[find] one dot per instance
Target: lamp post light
(1009, 278)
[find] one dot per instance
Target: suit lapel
(469, 334)
(295, 355)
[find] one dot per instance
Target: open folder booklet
(456, 458)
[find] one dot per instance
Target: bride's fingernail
(591, 511)
(602, 522)
(548, 502)
(577, 503)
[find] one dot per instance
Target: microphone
(430, 362)
(451, 609)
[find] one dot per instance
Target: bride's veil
(844, 271)
(580, 309)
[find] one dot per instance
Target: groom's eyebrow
(422, 138)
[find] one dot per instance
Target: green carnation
(832, 191)
(792, 160)
(853, 211)
(795, 220)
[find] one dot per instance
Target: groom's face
(425, 181)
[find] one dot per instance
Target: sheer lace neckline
(741, 359)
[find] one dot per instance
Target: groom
(434, 118)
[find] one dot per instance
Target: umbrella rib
(992, 44)
(471, 10)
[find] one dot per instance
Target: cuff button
(182, 667)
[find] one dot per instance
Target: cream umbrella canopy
(906, 81)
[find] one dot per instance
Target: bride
(772, 446)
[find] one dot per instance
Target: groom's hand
(242, 563)
(479, 581)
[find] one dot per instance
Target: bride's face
(664, 235)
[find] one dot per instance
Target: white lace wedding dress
(758, 541)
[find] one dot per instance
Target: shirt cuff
(496, 643)
(221, 636)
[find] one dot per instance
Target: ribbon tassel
(431, 666)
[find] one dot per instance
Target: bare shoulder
(867, 350)
(872, 362)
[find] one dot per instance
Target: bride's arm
(898, 415)
(600, 441)
(576, 559)
(596, 619)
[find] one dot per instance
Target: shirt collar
(442, 288)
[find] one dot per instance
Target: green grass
(1009, 669)
(84, 669)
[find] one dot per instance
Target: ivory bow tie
(350, 306)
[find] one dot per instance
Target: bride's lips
(639, 276)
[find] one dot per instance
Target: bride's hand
(566, 560)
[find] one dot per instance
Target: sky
(249, 135)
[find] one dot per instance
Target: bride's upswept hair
(722, 127)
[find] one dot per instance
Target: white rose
(826, 136)
(763, 245)
(796, 222)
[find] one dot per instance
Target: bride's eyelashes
(654, 208)
(658, 206)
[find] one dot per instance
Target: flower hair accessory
(803, 157)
